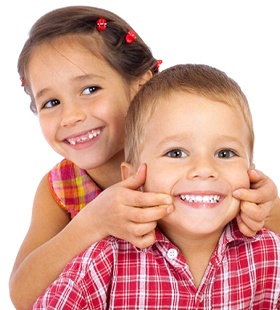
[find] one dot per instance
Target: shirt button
(172, 253)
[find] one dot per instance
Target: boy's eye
(51, 103)
(225, 154)
(176, 153)
(89, 90)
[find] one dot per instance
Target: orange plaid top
(71, 186)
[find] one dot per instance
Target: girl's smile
(81, 112)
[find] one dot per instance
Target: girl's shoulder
(71, 186)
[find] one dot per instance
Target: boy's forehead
(185, 108)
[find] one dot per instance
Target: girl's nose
(71, 115)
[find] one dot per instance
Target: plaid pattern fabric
(71, 186)
(243, 274)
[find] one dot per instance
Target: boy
(200, 259)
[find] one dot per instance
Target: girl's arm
(260, 205)
(52, 239)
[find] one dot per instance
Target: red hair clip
(157, 65)
(130, 37)
(22, 81)
(101, 24)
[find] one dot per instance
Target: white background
(241, 37)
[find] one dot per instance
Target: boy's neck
(196, 250)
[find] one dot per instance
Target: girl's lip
(84, 137)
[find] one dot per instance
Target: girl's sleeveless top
(71, 186)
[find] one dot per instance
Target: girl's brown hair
(131, 61)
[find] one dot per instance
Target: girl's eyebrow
(79, 78)
(41, 93)
(87, 77)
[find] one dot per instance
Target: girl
(82, 66)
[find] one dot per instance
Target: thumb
(136, 180)
(256, 176)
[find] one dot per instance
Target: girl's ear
(140, 82)
(127, 170)
(145, 77)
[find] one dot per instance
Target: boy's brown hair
(202, 80)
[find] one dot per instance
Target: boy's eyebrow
(179, 138)
(174, 139)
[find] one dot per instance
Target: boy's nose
(203, 167)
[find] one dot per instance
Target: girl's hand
(257, 204)
(127, 213)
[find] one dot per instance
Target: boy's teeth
(86, 137)
(200, 198)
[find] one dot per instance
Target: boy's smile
(199, 153)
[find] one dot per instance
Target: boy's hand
(256, 203)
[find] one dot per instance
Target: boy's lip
(194, 198)
(83, 137)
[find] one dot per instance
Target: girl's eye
(176, 153)
(225, 154)
(90, 90)
(51, 103)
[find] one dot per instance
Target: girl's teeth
(200, 198)
(90, 135)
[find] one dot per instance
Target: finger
(248, 226)
(138, 230)
(140, 235)
(247, 195)
(253, 211)
(245, 230)
(147, 199)
(144, 241)
(260, 195)
(146, 215)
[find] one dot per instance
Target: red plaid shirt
(243, 273)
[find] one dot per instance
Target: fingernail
(256, 172)
(238, 218)
(236, 193)
(169, 209)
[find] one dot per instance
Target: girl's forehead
(65, 45)
(81, 43)
(71, 50)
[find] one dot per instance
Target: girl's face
(81, 103)
(198, 153)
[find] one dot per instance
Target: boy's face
(197, 150)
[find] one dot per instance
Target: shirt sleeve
(62, 294)
(84, 282)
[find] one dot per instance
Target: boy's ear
(127, 170)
